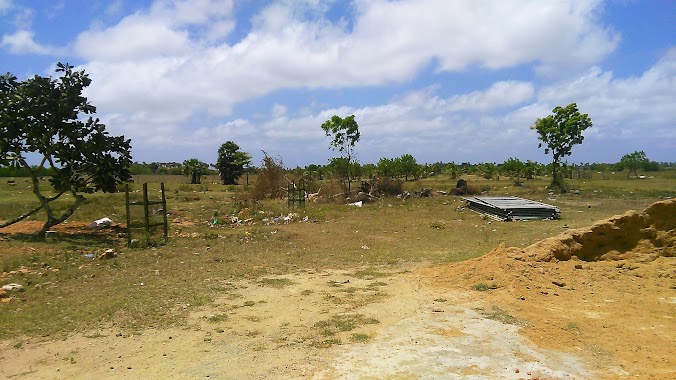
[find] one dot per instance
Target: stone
(13, 288)
(108, 254)
(363, 197)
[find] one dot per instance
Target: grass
(276, 282)
(216, 318)
(497, 314)
(482, 287)
(61, 278)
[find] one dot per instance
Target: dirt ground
(592, 303)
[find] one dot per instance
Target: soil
(592, 303)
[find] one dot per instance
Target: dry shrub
(390, 186)
(271, 181)
(332, 190)
(473, 190)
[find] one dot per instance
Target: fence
(146, 224)
(296, 194)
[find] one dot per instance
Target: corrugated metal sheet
(512, 208)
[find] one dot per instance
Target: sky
(442, 80)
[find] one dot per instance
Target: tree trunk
(51, 221)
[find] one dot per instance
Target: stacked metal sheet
(512, 208)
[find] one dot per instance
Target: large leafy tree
(633, 161)
(41, 118)
(345, 134)
(195, 169)
(560, 132)
(231, 162)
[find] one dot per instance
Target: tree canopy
(195, 169)
(633, 161)
(345, 133)
(231, 162)
(560, 132)
(41, 117)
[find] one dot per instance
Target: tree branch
(21, 217)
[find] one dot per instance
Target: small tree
(560, 132)
(407, 166)
(633, 161)
(513, 167)
(232, 162)
(195, 169)
(41, 117)
(345, 133)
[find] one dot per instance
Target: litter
(103, 222)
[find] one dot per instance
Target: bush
(390, 186)
(271, 182)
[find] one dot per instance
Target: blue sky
(443, 80)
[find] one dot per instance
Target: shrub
(271, 181)
(390, 186)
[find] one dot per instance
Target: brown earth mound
(67, 228)
(607, 292)
(646, 235)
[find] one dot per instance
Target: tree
(560, 132)
(195, 169)
(407, 166)
(41, 117)
(386, 167)
(345, 133)
(513, 167)
(231, 162)
(633, 161)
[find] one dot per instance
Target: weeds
(482, 287)
(276, 282)
(358, 338)
(497, 314)
(217, 318)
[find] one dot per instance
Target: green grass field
(67, 290)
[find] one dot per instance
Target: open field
(310, 296)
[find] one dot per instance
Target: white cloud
(488, 125)
(5, 5)
(636, 105)
(168, 51)
(22, 42)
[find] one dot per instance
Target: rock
(426, 192)
(108, 254)
(13, 288)
(363, 197)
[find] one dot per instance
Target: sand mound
(644, 235)
(606, 292)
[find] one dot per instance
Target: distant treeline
(404, 167)
(12, 171)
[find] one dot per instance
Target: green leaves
(345, 133)
(43, 116)
(231, 162)
(195, 169)
(561, 131)
(634, 161)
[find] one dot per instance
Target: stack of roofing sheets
(512, 208)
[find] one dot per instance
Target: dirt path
(549, 311)
(426, 329)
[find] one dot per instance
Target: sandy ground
(555, 310)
